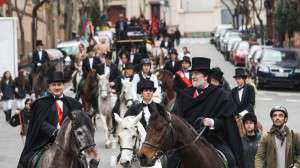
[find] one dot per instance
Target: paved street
(11, 144)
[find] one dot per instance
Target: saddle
(223, 158)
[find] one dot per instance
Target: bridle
(170, 134)
(78, 154)
(124, 97)
(135, 146)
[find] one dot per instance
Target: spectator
(177, 36)
(185, 52)
(21, 88)
(7, 94)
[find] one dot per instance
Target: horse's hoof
(108, 145)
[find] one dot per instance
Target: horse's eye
(79, 133)
(133, 136)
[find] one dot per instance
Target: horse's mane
(91, 78)
(83, 118)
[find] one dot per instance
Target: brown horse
(166, 78)
(39, 79)
(89, 89)
(167, 132)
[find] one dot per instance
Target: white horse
(131, 135)
(106, 101)
(126, 97)
(76, 76)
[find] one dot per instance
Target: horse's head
(159, 132)
(91, 76)
(103, 86)
(82, 139)
(126, 92)
(129, 132)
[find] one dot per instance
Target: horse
(131, 135)
(106, 101)
(74, 145)
(167, 82)
(76, 78)
(89, 91)
(39, 79)
(166, 132)
(126, 97)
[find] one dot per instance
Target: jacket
(248, 98)
(266, 152)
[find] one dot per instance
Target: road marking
(264, 99)
(293, 100)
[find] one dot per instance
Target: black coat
(248, 98)
(179, 85)
(169, 46)
(118, 26)
(250, 145)
(36, 58)
(114, 72)
(171, 68)
(218, 105)
(23, 88)
(43, 124)
(86, 65)
(136, 109)
(8, 90)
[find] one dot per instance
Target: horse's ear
(117, 118)
(138, 118)
(72, 115)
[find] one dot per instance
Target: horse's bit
(133, 149)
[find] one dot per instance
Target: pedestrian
(185, 52)
(144, 74)
(173, 65)
(23, 117)
(212, 107)
(243, 94)
(183, 77)
(177, 36)
(217, 79)
(250, 139)
(48, 113)
(21, 88)
(7, 94)
(280, 147)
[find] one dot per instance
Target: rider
(146, 88)
(212, 107)
(39, 56)
(183, 77)
(243, 94)
(47, 115)
(217, 79)
(144, 74)
(173, 65)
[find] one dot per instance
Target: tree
(231, 6)
(257, 11)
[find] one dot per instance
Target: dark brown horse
(89, 90)
(167, 81)
(168, 132)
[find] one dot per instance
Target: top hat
(56, 77)
(108, 56)
(240, 72)
(145, 61)
(186, 59)
(129, 66)
(39, 43)
(216, 73)
(201, 64)
(145, 84)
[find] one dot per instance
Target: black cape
(218, 105)
(43, 110)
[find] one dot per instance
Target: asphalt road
(11, 144)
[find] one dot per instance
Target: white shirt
(106, 70)
(40, 54)
(241, 94)
(131, 58)
(146, 113)
(91, 60)
(173, 63)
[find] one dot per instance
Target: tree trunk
(68, 13)
(22, 36)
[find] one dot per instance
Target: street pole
(34, 26)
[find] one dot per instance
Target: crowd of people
(201, 93)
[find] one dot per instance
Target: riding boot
(8, 115)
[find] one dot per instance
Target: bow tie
(144, 104)
(240, 88)
(61, 98)
(107, 66)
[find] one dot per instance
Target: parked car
(221, 29)
(251, 60)
(229, 34)
(230, 46)
(278, 66)
(240, 53)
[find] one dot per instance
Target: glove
(244, 112)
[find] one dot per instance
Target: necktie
(198, 92)
(59, 112)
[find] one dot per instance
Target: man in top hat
(90, 62)
(146, 88)
(108, 68)
(217, 79)
(39, 56)
(48, 114)
(144, 74)
(183, 77)
(212, 107)
(243, 94)
(173, 65)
